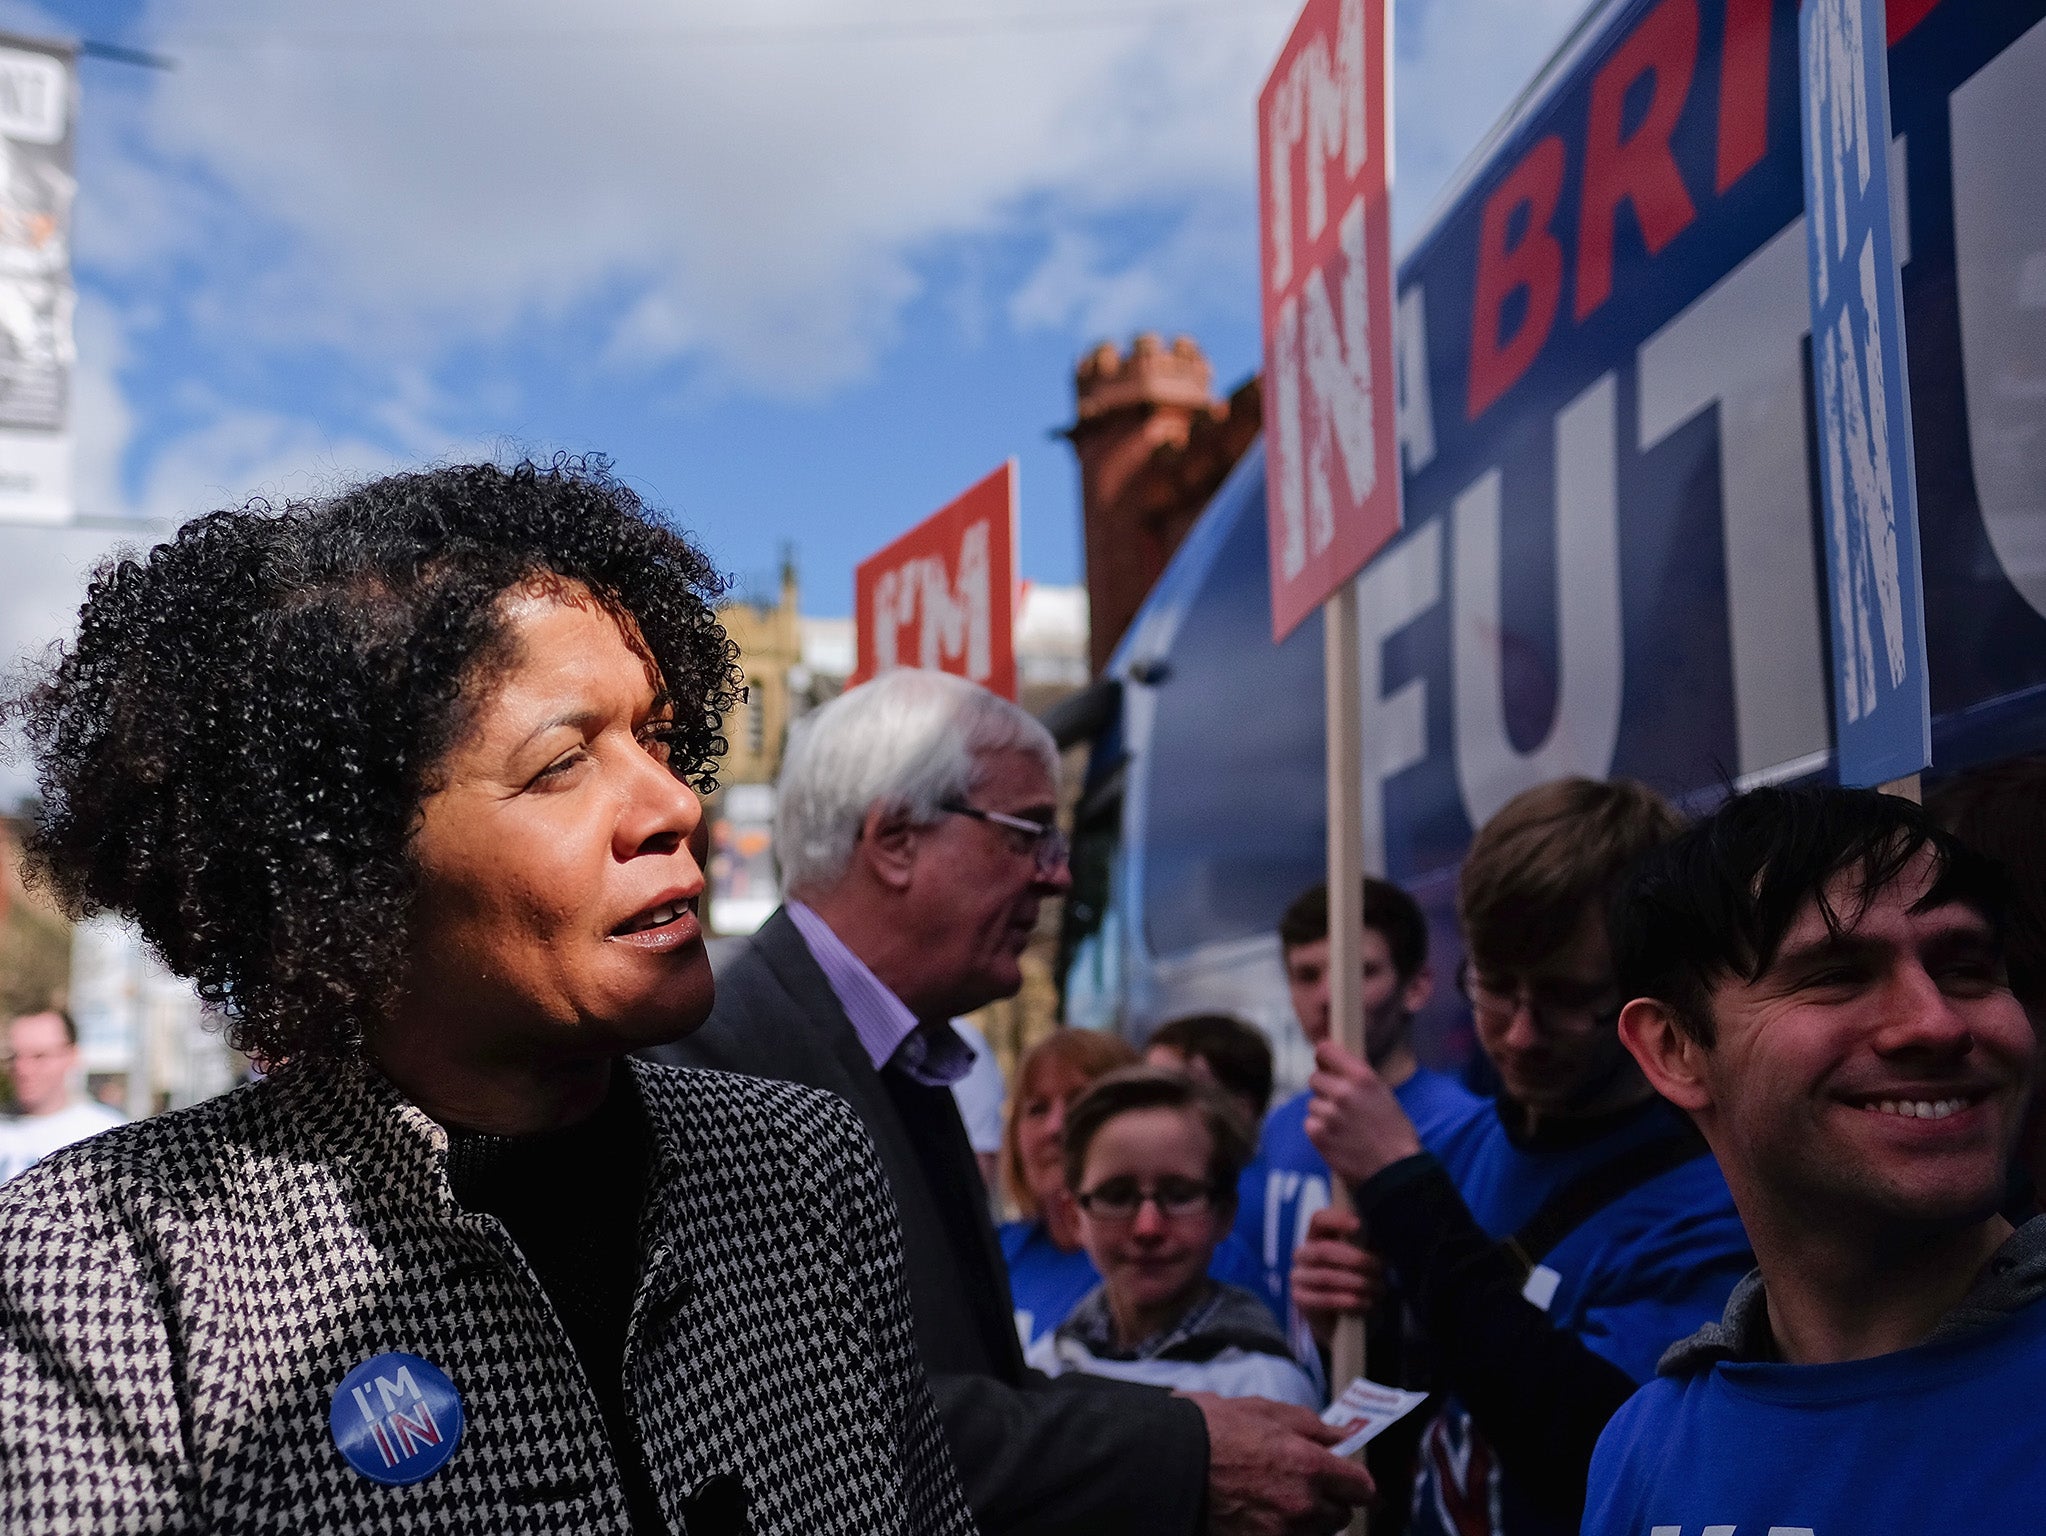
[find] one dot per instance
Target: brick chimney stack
(1129, 407)
(1153, 444)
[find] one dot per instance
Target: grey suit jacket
(1075, 1456)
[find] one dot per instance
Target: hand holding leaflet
(1367, 1409)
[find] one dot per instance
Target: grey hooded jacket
(2014, 1278)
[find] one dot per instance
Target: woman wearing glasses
(1152, 1159)
(1049, 1272)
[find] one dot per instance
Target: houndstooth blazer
(180, 1299)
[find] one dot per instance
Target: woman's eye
(561, 766)
(659, 740)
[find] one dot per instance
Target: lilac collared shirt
(931, 1054)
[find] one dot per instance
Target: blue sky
(804, 268)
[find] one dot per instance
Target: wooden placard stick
(1341, 666)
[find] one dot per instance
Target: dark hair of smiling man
(1717, 902)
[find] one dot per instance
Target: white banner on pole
(38, 123)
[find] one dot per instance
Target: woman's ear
(1670, 1059)
(888, 843)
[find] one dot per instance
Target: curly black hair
(235, 750)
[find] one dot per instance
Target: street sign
(1882, 716)
(1324, 179)
(943, 596)
(38, 120)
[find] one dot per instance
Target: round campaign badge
(396, 1418)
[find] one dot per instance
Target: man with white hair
(916, 826)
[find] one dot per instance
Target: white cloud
(244, 454)
(1073, 288)
(1457, 66)
(759, 205)
(101, 417)
(404, 177)
(399, 186)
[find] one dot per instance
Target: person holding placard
(1552, 1246)
(1283, 1212)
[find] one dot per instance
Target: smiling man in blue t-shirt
(1817, 976)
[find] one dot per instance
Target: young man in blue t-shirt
(1287, 1183)
(1551, 1247)
(1817, 976)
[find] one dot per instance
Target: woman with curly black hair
(402, 780)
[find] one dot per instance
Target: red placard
(1332, 480)
(944, 594)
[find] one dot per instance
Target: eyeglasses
(1047, 844)
(1557, 1007)
(1120, 1199)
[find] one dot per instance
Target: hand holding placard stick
(1332, 484)
(1345, 888)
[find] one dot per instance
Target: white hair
(909, 741)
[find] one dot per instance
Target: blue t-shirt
(1942, 1438)
(1287, 1182)
(1650, 1268)
(1047, 1282)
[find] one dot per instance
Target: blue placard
(396, 1418)
(1882, 711)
